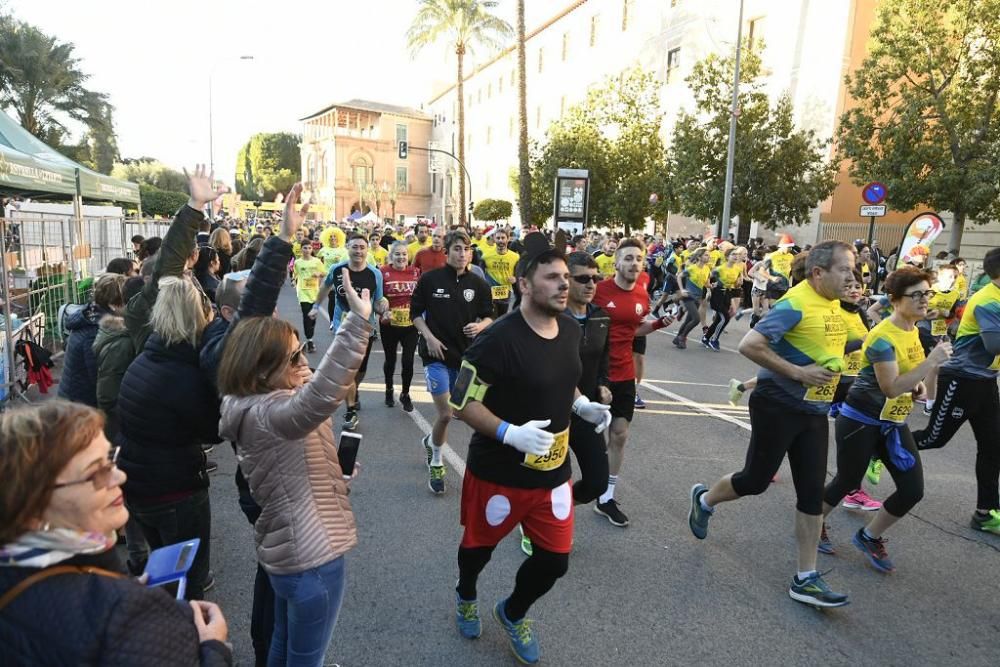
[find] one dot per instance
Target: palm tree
(523, 170)
(463, 25)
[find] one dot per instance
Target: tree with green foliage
(491, 210)
(160, 202)
(268, 164)
(781, 173)
(150, 171)
(463, 25)
(927, 123)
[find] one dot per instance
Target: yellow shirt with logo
(606, 264)
(499, 270)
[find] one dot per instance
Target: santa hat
(786, 241)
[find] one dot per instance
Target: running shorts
(440, 378)
(639, 345)
(622, 399)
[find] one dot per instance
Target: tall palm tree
(523, 170)
(463, 25)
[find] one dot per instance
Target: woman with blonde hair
(223, 244)
(278, 414)
(168, 408)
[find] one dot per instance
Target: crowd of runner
(536, 341)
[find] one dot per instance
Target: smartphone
(348, 452)
(170, 564)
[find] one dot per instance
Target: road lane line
(725, 407)
(449, 454)
(693, 384)
(696, 406)
(682, 413)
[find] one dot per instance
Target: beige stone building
(351, 161)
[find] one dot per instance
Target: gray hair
(179, 312)
(821, 255)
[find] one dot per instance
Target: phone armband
(468, 387)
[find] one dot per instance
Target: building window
(434, 183)
(538, 117)
(562, 106)
(479, 96)
(361, 172)
(401, 133)
(565, 46)
(512, 78)
(500, 86)
(489, 91)
(594, 23)
(489, 135)
(674, 3)
(673, 64)
(755, 29)
(627, 8)
(541, 59)
(510, 127)
(401, 179)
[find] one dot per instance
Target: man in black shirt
(450, 307)
(517, 389)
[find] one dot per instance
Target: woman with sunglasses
(872, 420)
(64, 599)
(278, 414)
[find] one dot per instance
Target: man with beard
(500, 271)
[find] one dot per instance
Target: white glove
(530, 437)
(595, 413)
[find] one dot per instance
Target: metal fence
(888, 235)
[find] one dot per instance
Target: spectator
(115, 351)
(79, 377)
(60, 505)
(147, 254)
(137, 244)
(123, 266)
(223, 244)
(206, 271)
(244, 259)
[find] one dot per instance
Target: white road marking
(697, 341)
(693, 384)
(696, 405)
(449, 454)
(678, 412)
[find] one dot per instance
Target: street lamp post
(211, 137)
(727, 199)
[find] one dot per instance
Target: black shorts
(776, 290)
(622, 399)
(639, 345)
(368, 352)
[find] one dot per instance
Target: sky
(155, 59)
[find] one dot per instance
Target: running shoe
(706, 343)
(523, 642)
(859, 500)
(404, 400)
(389, 402)
(680, 343)
(639, 403)
(874, 472)
(350, 420)
(874, 548)
(310, 346)
(735, 393)
(427, 448)
(210, 465)
(207, 448)
(989, 523)
(525, 542)
(467, 617)
(928, 411)
(435, 481)
(825, 544)
(612, 513)
(698, 516)
(209, 582)
(814, 591)
(714, 346)
(740, 313)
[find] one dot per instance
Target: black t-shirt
(594, 327)
(367, 278)
(529, 377)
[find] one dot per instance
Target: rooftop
(374, 107)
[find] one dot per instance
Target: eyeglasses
(583, 280)
(918, 295)
(296, 357)
(100, 478)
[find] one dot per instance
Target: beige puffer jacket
(287, 453)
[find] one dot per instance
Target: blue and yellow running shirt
(694, 279)
(856, 330)
(970, 358)
(886, 342)
(944, 303)
(803, 328)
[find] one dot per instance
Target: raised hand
(203, 187)
(291, 219)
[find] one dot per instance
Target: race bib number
(309, 282)
(897, 409)
(400, 317)
(995, 366)
(500, 292)
(854, 361)
(824, 392)
(553, 458)
(939, 327)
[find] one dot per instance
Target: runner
(627, 304)
(308, 270)
(517, 389)
(934, 328)
(725, 284)
(694, 282)
(433, 256)
(873, 418)
(363, 276)
(799, 346)
(758, 290)
(639, 346)
(499, 266)
(450, 307)
(377, 255)
(968, 390)
(777, 269)
(422, 240)
(399, 281)
(606, 258)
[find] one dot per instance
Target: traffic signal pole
(453, 157)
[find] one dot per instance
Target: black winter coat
(167, 410)
(87, 619)
(78, 381)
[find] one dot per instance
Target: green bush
(160, 202)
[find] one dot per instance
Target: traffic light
(472, 205)
(403, 147)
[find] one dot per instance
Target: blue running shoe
(825, 545)
(639, 403)
(523, 642)
(874, 548)
(714, 346)
(698, 517)
(815, 592)
(467, 617)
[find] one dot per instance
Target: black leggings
(856, 444)
(719, 322)
(691, 317)
(391, 338)
(960, 399)
(592, 456)
(308, 323)
(776, 431)
(536, 576)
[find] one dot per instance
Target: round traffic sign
(874, 193)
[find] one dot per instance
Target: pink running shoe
(859, 500)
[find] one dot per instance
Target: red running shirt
(398, 286)
(627, 310)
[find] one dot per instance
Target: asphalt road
(649, 594)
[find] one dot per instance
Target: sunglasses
(100, 478)
(297, 356)
(583, 280)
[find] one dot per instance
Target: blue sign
(874, 193)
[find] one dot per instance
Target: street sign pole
(871, 230)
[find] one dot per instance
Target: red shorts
(490, 511)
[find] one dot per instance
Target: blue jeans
(306, 606)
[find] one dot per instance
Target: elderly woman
(278, 414)
(63, 597)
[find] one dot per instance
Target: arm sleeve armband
(468, 387)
